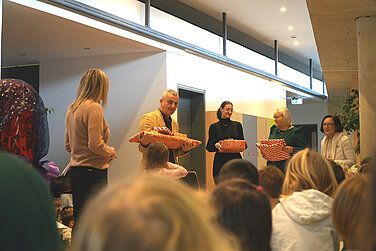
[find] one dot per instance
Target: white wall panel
(249, 94)
(136, 83)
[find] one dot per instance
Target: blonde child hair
(156, 155)
(309, 170)
(151, 213)
(349, 204)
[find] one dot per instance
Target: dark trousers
(85, 182)
(220, 159)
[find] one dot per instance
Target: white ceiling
(263, 20)
(334, 25)
(49, 36)
(30, 36)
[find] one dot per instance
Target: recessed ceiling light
(296, 42)
(290, 28)
(283, 9)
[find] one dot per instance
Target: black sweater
(223, 129)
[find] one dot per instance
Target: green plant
(350, 115)
(49, 109)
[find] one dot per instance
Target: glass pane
(249, 57)
(292, 75)
(131, 10)
(180, 29)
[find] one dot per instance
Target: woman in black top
(223, 129)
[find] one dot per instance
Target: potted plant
(350, 116)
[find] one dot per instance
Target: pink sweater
(170, 170)
(86, 136)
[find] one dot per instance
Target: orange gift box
(172, 142)
(232, 146)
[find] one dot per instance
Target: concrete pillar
(366, 37)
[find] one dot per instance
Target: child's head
(271, 179)
(238, 168)
(338, 171)
(156, 155)
(365, 161)
(67, 216)
(366, 165)
(244, 210)
(57, 205)
(348, 207)
(309, 170)
(150, 213)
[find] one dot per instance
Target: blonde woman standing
(283, 129)
(86, 137)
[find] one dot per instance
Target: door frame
(202, 92)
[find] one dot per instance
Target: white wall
(309, 114)
(136, 83)
(249, 94)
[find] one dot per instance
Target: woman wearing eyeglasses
(283, 129)
(336, 145)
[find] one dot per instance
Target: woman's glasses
(328, 124)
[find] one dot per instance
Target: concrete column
(366, 36)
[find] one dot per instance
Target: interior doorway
(191, 119)
(310, 133)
